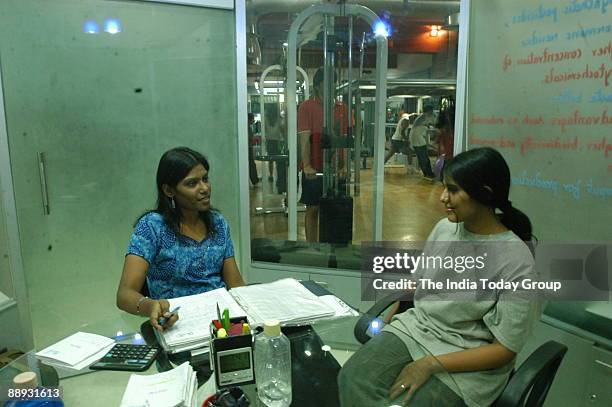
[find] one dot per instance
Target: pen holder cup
(231, 357)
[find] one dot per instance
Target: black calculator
(128, 357)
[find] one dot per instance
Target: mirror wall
(420, 76)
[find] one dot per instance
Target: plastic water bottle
(273, 366)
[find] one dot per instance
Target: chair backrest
(530, 383)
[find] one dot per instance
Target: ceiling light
(381, 29)
(367, 87)
(435, 30)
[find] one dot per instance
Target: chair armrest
(533, 377)
(362, 325)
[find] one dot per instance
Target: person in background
(182, 247)
(419, 140)
(399, 140)
(253, 176)
(444, 351)
(275, 145)
(446, 126)
(310, 131)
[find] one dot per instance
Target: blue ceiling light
(382, 28)
(112, 26)
(91, 27)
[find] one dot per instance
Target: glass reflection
(421, 75)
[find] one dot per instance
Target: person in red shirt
(310, 132)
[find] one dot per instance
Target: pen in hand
(163, 320)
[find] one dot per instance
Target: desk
(313, 367)
(314, 370)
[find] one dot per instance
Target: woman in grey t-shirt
(456, 351)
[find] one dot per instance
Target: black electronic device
(336, 220)
(127, 357)
(231, 356)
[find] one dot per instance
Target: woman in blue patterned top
(183, 247)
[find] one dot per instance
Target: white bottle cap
(272, 327)
(26, 380)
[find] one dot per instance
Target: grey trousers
(365, 379)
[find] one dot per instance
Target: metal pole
(349, 77)
(379, 134)
(358, 121)
(381, 96)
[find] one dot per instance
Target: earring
(172, 204)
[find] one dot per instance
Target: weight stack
(336, 219)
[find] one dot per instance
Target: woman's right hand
(159, 309)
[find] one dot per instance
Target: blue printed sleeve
(146, 236)
(229, 245)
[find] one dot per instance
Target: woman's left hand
(413, 376)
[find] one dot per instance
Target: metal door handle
(604, 364)
(43, 182)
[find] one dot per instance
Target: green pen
(226, 320)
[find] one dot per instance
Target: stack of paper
(74, 354)
(192, 330)
(286, 300)
(341, 309)
(174, 388)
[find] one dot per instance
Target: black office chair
(528, 384)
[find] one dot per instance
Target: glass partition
(549, 136)
(398, 201)
(6, 282)
(95, 91)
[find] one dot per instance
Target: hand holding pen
(169, 315)
(161, 317)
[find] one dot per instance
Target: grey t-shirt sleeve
(511, 321)
(513, 316)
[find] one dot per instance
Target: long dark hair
(446, 118)
(484, 175)
(174, 165)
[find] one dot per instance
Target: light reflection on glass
(375, 326)
(112, 26)
(91, 27)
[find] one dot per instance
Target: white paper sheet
(76, 348)
(285, 300)
(168, 389)
(196, 314)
